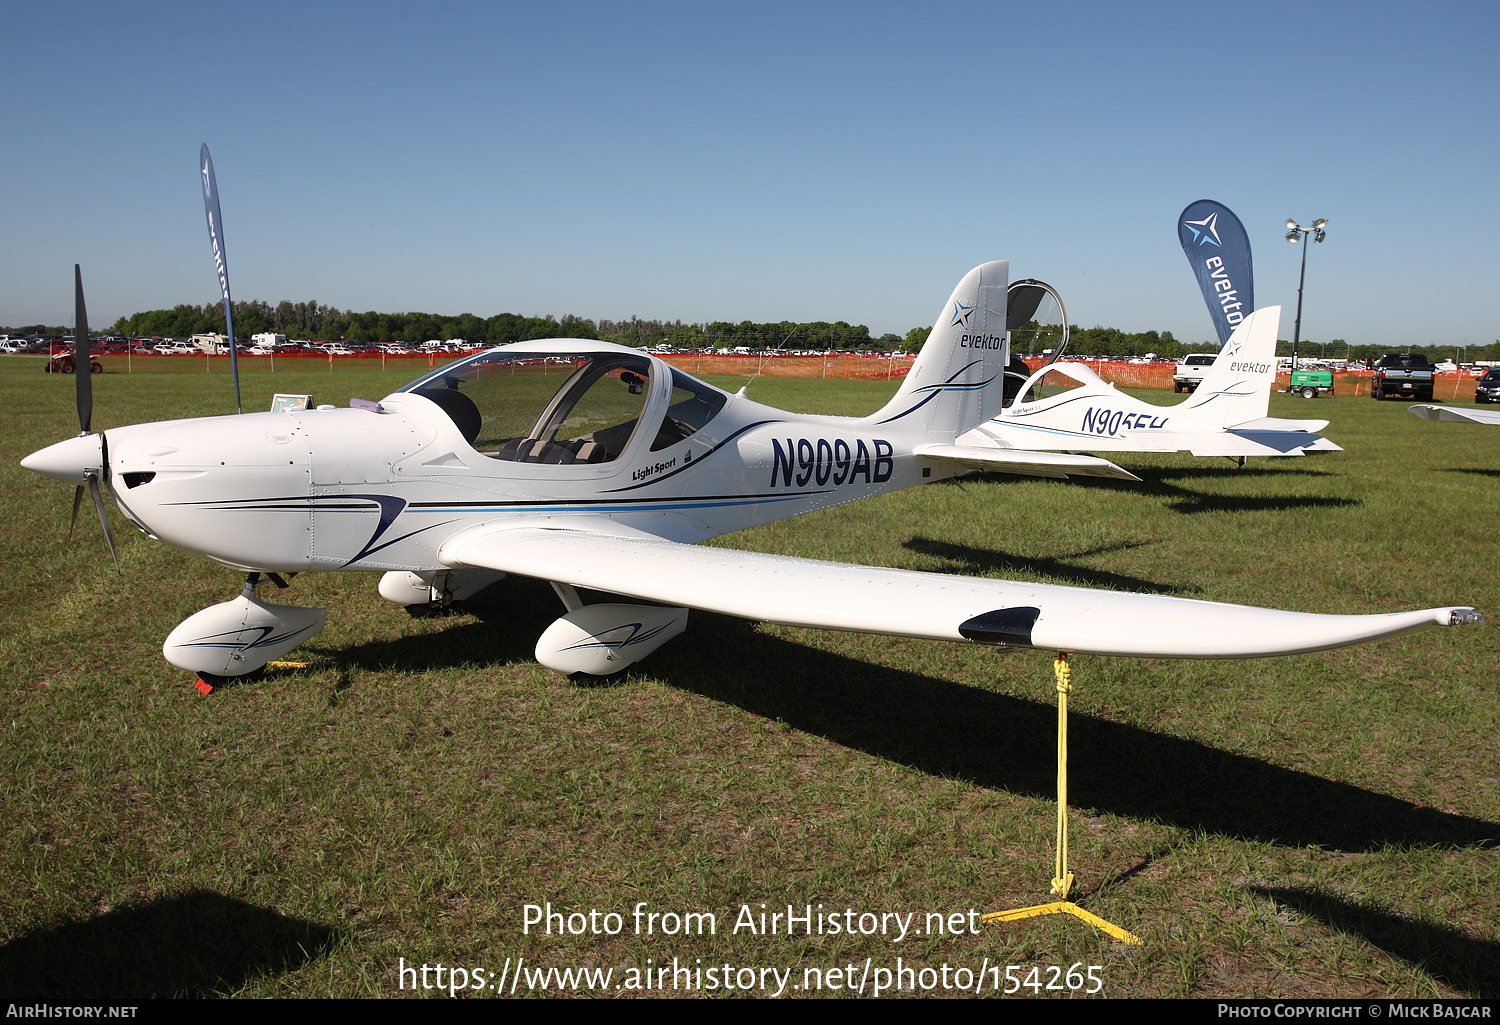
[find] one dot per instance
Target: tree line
(315, 321)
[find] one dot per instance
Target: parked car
(1487, 388)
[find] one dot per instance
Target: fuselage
(382, 489)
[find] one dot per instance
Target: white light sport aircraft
(1066, 406)
(1456, 414)
(592, 465)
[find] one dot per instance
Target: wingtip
(1464, 616)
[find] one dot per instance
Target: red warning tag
(203, 687)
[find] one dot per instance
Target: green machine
(1311, 382)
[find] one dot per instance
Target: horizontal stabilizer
(1032, 464)
(1452, 414)
(866, 599)
(1260, 443)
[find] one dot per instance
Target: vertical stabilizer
(956, 383)
(1237, 388)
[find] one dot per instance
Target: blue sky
(758, 161)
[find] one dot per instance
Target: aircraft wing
(1454, 414)
(838, 596)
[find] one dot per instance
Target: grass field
(1312, 826)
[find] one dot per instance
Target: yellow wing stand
(1062, 880)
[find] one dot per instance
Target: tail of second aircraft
(1237, 388)
(957, 381)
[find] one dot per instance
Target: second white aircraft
(1066, 406)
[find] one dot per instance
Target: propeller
(221, 263)
(85, 385)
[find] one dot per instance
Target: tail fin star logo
(1210, 231)
(961, 314)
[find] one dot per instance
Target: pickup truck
(1190, 371)
(1406, 374)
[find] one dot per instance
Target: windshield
(1406, 361)
(541, 407)
(1058, 378)
(693, 404)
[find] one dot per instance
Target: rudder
(1237, 388)
(956, 382)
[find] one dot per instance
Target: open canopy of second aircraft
(592, 465)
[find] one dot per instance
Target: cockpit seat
(579, 450)
(535, 450)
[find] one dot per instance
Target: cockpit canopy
(563, 407)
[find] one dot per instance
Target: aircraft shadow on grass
(1465, 963)
(198, 944)
(1156, 482)
(1477, 471)
(947, 729)
(974, 561)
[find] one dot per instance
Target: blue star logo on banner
(1208, 234)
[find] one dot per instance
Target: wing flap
(867, 599)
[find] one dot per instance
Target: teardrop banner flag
(1219, 251)
(221, 265)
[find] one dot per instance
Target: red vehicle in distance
(65, 362)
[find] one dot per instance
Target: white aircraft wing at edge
(1456, 415)
(937, 606)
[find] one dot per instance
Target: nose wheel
(239, 638)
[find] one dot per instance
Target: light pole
(1297, 233)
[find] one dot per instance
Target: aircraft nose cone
(68, 460)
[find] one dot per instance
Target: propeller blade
(109, 538)
(81, 364)
(77, 501)
(216, 240)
